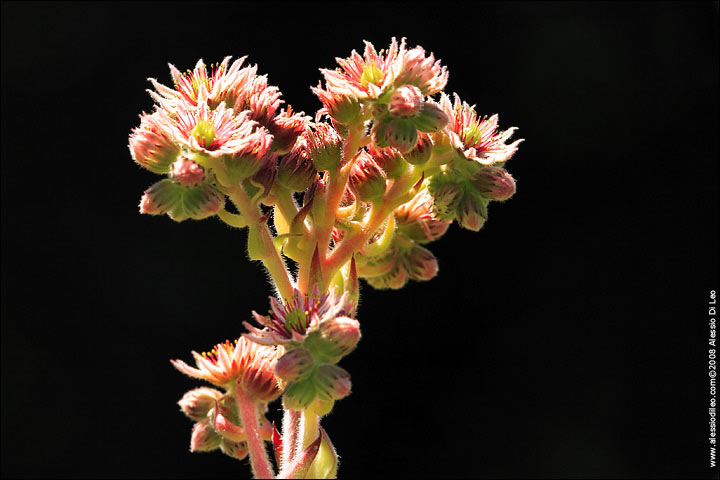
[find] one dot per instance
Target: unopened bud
(298, 395)
(401, 134)
(325, 146)
(406, 102)
(341, 104)
(294, 365)
(238, 450)
(422, 151)
(204, 438)
(494, 183)
(250, 154)
(332, 382)
(160, 198)
(186, 172)
(197, 403)
(421, 264)
(446, 198)
(430, 119)
(368, 179)
(285, 129)
(342, 333)
(395, 279)
(471, 212)
(197, 203)
(390, 160)
(152, 146)
(296, 171)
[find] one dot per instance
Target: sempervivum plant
(358, 191)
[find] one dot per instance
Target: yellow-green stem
(270, 257)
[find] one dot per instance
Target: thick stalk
(291, 429)
(256, 447)
(270, 256)
(309, 429)
(337, 185)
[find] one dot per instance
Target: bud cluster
(315, 332)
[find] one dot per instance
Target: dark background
(568, 338)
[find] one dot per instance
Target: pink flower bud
(294, 365)
(237, 450)
(296, 171)
(197, 403)
(389, 159)
(286, 128)
(494, 183)
(152, 145)
(401, 134)
(332, 382)
(204, 438)
(325, 146)
(471, 213)
(430, 119)
(368, 179)
(421, 264)
(160, 198)
(422, 151)
(186, 172)
(406, 102)
(342, 333)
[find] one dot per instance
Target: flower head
(303, 314)
(477, 137)
(197, 86)
(245, 363)
(365, 75)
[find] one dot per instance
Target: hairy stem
(258, 455)
(337, 185)
(270, 257)
(291, 430)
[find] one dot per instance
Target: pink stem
(258, 455)
(291, 426)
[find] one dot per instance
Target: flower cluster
(315, 332)
(226, 119)
(382, 171)
(240, 368)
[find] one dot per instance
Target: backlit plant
(357, 191)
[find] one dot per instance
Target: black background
(568, 338)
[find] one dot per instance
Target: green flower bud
(368, 179)
(298, 395)
(342, 334)
(390, 160)
(471, 212)
(294, 365)
(204, 438)
(332, 382)
(160, 198)
(325, 146)
(401, 134)
(430, 119)
(422, 151)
